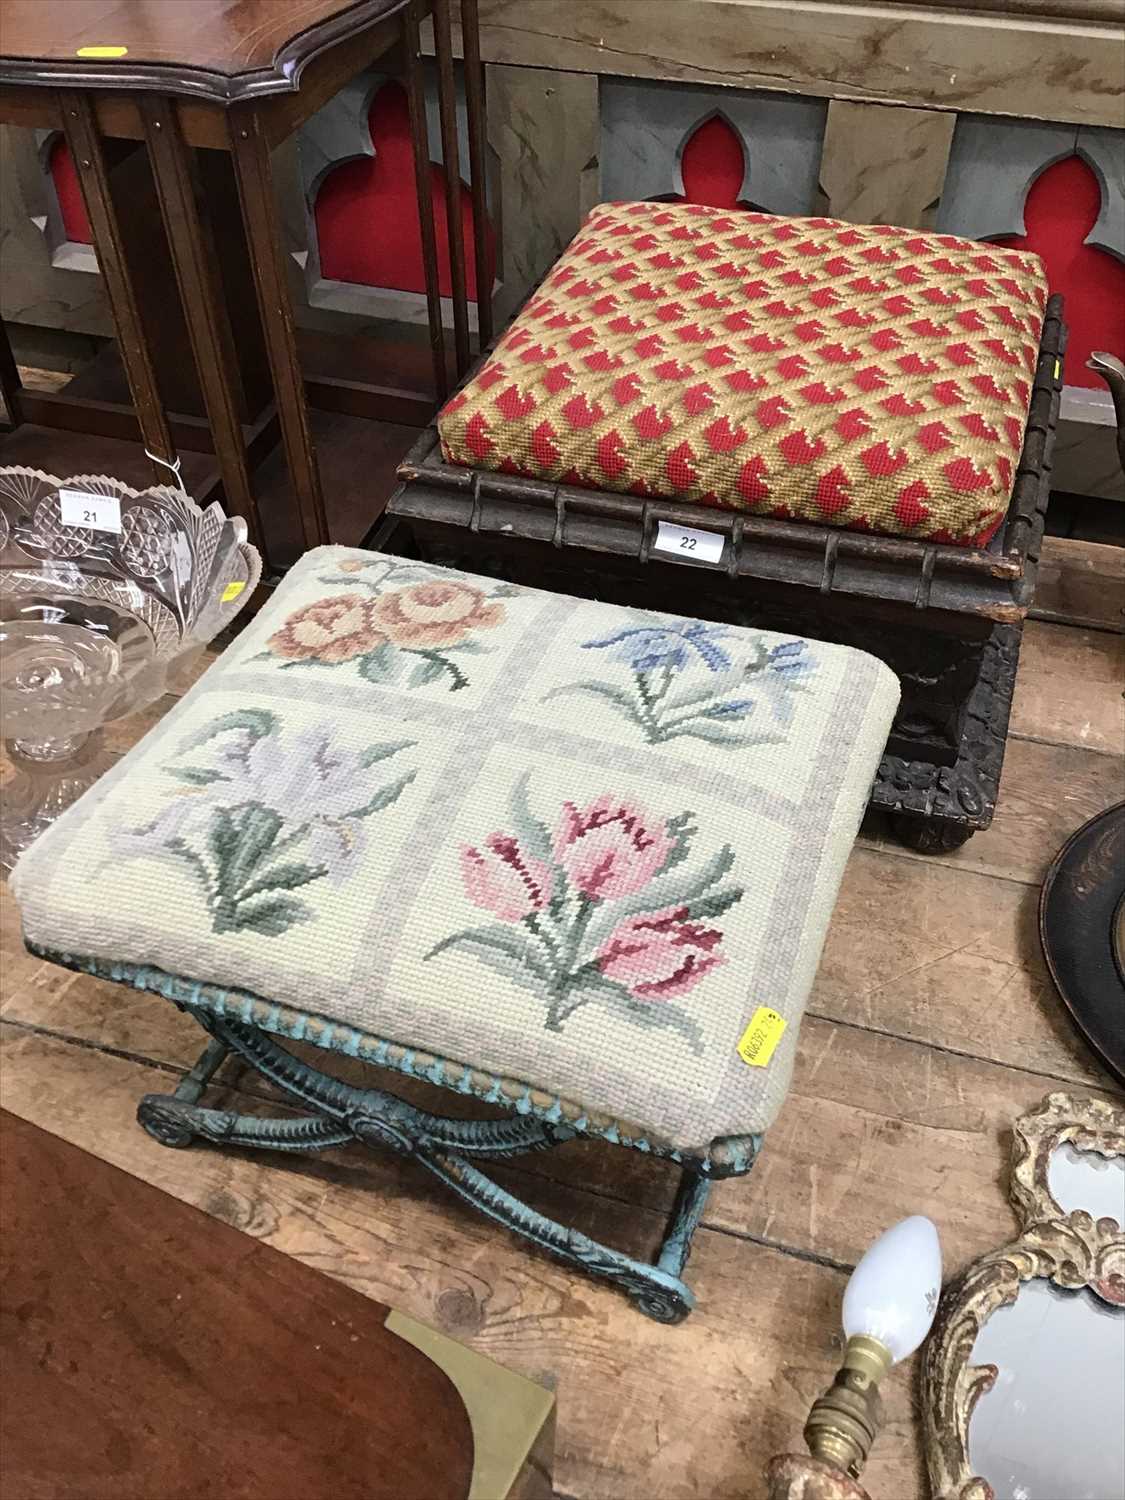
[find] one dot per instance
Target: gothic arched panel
(649, 127)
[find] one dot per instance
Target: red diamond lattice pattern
(861, 376)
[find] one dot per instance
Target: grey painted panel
(645, 124)
(339, 132)
(883, 164)
(1105, 152)
(46, 281)
(992, 164)
(1020, 63)
(543, 127)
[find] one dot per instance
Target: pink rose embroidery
(436, 614)
(413, 636)
(661, 955)
(503, 879)
(330, 630)
(610, 848)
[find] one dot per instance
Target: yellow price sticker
(102, 52)
(759, 1041)
(232, 591)
(1058, 368)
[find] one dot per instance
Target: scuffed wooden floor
(932, 1024)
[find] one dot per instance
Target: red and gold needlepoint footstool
(854, 423)
(573, 860)
(854, 375)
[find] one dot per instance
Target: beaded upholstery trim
(729, 1156)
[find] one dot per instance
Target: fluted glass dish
(107, 596)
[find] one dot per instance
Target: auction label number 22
(688, 541)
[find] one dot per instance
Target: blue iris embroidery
(689, 679)
(676, 647)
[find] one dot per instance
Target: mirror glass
(1051, 1426)
(1086, 1179)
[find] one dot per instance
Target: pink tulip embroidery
(609, 849)
(503, 879)
(660, 955)
(607, 906)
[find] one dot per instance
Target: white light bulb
(893, 1292)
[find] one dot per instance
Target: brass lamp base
(839, 1432)
(843, 1422)
(795, 1476)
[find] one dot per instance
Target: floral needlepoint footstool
(571, 859)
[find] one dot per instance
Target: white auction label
(686, 541)
(89, 512)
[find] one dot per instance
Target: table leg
(478, 165)
(447, 109)
(251, 157)
(85, 145)
(10, 383)
(419, 136)
(195, 262)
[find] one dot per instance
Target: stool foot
(930, 835)
(661, 1305)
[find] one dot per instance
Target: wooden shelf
(63, 453)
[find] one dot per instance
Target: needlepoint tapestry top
(860, 376)
(554, 840)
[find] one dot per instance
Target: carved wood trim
(1045, 63)
(1073, 1250)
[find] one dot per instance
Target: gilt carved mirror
(1024, 1373)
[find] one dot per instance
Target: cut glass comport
(107, 595)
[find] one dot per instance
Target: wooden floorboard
(1081, 583)
(931, 1025)
(643, 1410)
(1069, 687)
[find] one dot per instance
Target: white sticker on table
(686, 541)
(90, 512)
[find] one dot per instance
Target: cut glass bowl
(103, 608)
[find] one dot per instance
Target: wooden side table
(149, 1350)
(171, 111)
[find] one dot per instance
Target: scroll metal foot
(177, 1123)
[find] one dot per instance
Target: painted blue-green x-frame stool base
(341, 1113)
